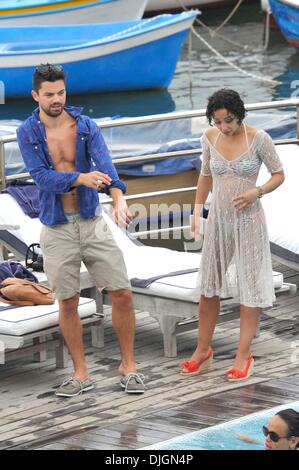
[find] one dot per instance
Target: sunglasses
(273, 435)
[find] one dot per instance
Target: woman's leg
(208, 313)
(249, 319)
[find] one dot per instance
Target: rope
(217, 53)
(267, 30)
(229, 16)
(229, 62)
(214, 32)
(129, 30)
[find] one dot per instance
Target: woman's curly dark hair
(225, 99)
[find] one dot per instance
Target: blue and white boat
(34, 12)
(104, 57)
(286, 14)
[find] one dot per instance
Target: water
(201, 73)
(225, 435)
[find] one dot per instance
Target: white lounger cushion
(280, 209)
(22, 320)
(183, 287)
(142, 261)
(281, 205)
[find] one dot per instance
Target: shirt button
(82, 138)
(36, 147)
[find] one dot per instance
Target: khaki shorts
(64, 246)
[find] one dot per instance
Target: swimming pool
(224, 436)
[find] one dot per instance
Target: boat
(34, 12)
(286, 14)
(102, 57)
(176, 5)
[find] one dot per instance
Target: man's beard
(53, 113)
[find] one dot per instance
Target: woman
(281, 432)
(236, 258)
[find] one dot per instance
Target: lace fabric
(236, 258)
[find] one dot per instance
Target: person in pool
(281, 432)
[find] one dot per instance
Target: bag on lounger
(21, 292)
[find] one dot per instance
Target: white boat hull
(120, 10)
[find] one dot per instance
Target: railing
(157, 156)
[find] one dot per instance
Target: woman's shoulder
(210, 134)
(252, 131)
(257, 136)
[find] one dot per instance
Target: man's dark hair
(226, 99)
(291, 418)
(47, 73)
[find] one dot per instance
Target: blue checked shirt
(92, 154)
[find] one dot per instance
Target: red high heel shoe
(237, 374)
(194, 367)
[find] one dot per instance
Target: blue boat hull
(98, 58)
(287, 19)
(122, 71)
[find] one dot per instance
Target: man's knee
(121, 297)
(69, 306)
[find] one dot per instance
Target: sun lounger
(281, 208)
(171, 299)
(35, 329)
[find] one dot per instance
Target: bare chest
(62, 148)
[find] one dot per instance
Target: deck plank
(106, 418)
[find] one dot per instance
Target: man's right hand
(94, 179)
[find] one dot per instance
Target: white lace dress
(236, 259)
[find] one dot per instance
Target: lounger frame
(37, 343)
(176, 316)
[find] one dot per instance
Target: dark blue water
(200, 72)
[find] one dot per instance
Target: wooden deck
(107, 418)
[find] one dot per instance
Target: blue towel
(14, 269)
(27, 196)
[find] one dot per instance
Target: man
(68, 159)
